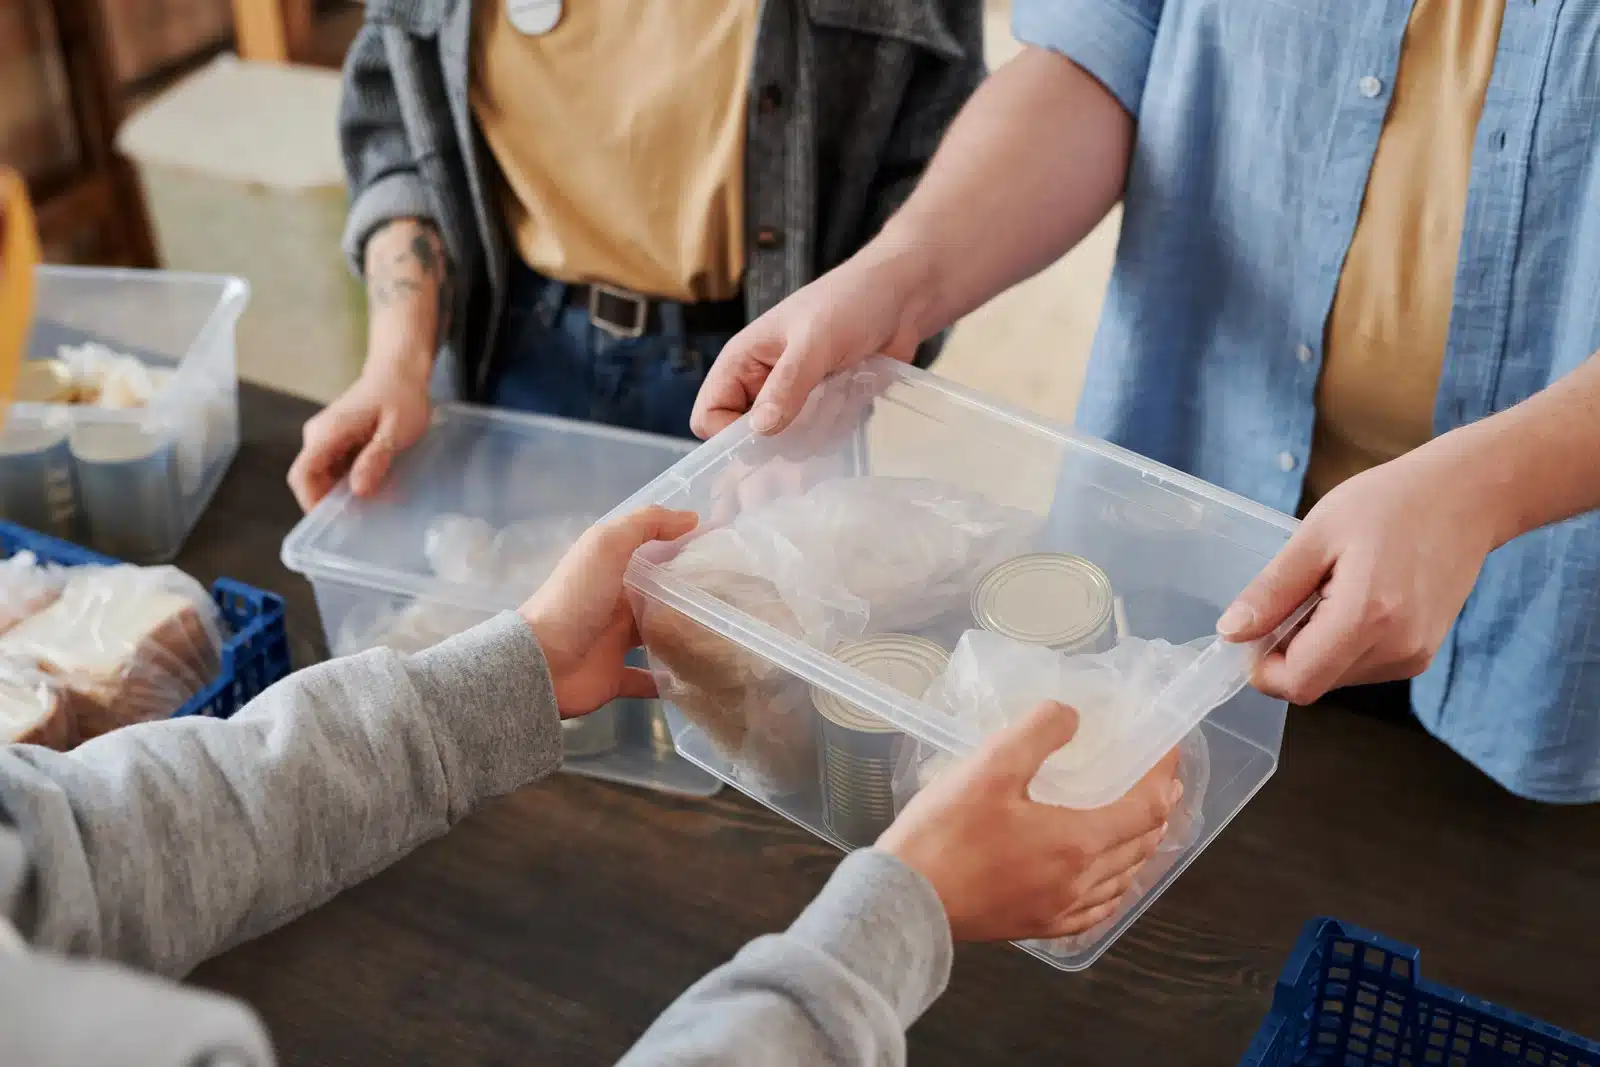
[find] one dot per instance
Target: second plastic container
(900, 510)
(470, 521)
(131, 482)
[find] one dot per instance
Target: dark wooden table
(553, 926)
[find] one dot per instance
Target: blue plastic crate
(255, 650)
(1349, 998)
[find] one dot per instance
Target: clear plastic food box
(910, 566)
(130, 481)
(469, 522)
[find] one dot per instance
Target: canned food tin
(661, 743)
(38, 486)
(859, 750)
(1048, 598)
(129, 480)
(594, 734)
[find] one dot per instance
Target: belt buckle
(619, 330)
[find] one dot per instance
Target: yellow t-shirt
(620, 135)
(19, 255)
(1385, 342)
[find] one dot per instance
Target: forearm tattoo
(399, 270)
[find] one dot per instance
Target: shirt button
(771, 98)
(1303, 353)
(1369, 87)
(1285, 462)
(769, 237)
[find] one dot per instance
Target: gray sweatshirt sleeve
(839, 989)
(380, 167)
(163, 844)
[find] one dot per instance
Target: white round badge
(534, 17)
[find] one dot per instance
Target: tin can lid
(1046, 598)
(903, 662)
(115, 442)
(24, 439)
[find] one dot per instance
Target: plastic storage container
(240, 167)
(470, 521)
(130, 482)
(1130, 550)
(255, 650)
(1349, 998)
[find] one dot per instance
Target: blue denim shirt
(1257, 124)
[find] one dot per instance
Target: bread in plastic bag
(34, 708)
(848, 557)
(27, 587)
(129, 644)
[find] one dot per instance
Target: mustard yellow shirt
(19, 255)
(1385, 342)
(620, 135)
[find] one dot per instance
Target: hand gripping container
(812, 636)
(130, 482)
(470, 521)
(1349, 998)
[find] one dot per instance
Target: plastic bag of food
(992, 680)
(516, 557)
(128, 644)
(27, 587)
(1184, 829)
(34, 708)
(527, 551)
(848, 557)
(109, 379)
(407, 628)
(460, 549)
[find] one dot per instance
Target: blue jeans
(551, 360)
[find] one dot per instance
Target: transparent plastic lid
(480, 510)
(882, 510)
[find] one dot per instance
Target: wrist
(409, 366)
(899, 264)
(546, 634)
(1481, 463)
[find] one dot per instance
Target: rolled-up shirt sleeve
(1111, 39)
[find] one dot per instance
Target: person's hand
(1008, 868)
(359, 434)
(1394, 552)
(863, 308)
(582, 618)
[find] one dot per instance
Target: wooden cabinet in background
(149, 36)
(71, 69)
(60, 103)
(38, 134)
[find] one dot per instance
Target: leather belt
(625, 314)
